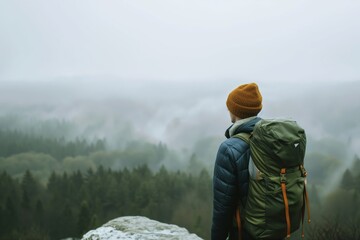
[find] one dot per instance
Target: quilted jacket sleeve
(225, 192)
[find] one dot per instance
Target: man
(231, 176)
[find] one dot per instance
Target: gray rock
(138, 228)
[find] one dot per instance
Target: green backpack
(275, 204)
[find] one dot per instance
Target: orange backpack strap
(286, 203)
(238, 222)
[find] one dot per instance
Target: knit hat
(245, 101)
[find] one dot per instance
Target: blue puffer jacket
(230, 182)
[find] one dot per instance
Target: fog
(180, 114)
(303, 41)
(160, 71)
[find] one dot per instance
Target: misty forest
(62, 175)
(117, 108)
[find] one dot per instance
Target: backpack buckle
(282, 178)
(303, 171)
(282, 175)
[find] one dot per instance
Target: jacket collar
(243, 125)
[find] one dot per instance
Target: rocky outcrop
(138, 228)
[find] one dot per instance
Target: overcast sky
(180, 40)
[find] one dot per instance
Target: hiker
(259, 176)
(231, 176)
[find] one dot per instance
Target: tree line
(336, 215)
(15, 142)
(71, 204)
(52, 188)
(43, 155)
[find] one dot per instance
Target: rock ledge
(136, 228)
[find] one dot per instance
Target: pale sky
(180, 40)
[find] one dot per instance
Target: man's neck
(238, 123)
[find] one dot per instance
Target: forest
(72, 204)
(54, 188)
(116, 108)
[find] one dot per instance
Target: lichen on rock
(138, 228)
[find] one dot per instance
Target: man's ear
(233, 117)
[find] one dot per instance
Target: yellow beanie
(245, 101)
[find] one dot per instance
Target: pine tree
(356, 166)
(347, 181)
(84, 218)
(10, 214)
(68, 222)
(39, 213)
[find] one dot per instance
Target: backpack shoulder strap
(243, 136)
(246, 138)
